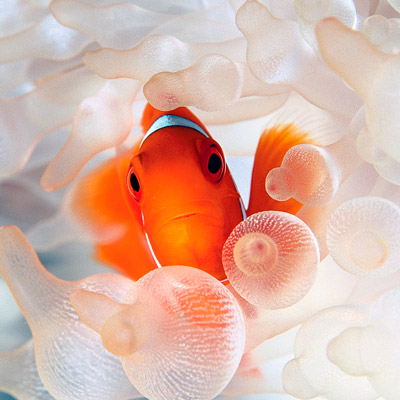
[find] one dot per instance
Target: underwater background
(75, 78)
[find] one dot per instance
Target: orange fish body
(174, 195)
(179, 180)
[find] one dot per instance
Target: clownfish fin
(271, 149)
(99, 204)
(150, 114)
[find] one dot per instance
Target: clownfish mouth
(198, 221)
(202, 218)
(182, 216)
(208, 218)
(201, 210)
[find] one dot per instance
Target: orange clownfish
(174, 196)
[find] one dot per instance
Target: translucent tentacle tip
(271, 259)
(179, 334)
(363, 236)
(373, 350)
(311, 373)
(70, 358)
(308, 174)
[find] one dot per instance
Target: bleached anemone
(311, 372)
(372, 349)
(170, 339)
(75, 76)
(312, 174)
(363, 236)
(292, 179)
(271, 259)
(56, 330)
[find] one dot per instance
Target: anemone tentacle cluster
(311, 307)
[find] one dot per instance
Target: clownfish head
(181, 186)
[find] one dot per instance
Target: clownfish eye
(214, 164)
(134, 185)
(134, 182)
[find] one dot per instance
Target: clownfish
(174, 195)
